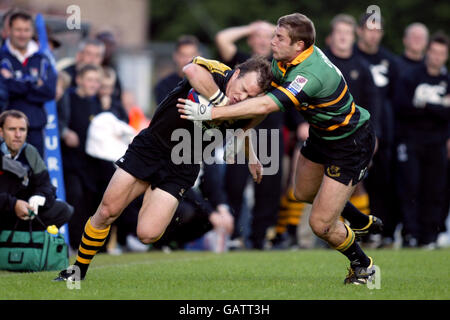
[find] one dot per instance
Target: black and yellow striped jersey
(166, 119)
(212, 66)
(314, 86)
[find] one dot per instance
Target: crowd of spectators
(408, 182)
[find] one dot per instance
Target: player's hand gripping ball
(201, 107)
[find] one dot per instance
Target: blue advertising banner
(52, 141)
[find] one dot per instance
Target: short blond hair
(343, 18)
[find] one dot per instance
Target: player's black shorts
(345, 159)
(147, 160)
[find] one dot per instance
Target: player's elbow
(221, 39)
(267, 106)
(190, 70)
(265, 109)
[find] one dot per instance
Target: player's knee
(320, 227)
(149, 240)
(107, 210)
(147, 237)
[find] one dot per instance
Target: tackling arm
(249, 108)
(246, 109)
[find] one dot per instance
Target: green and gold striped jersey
(314, 86)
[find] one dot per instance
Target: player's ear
(300, 45)
(237, 72)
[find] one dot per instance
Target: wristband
(219, 98)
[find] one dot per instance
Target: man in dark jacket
(415, 40)
(79, 170)
(268, 192)
(28, 75)
(357, 74)
(380, 180)
(25, 184)
(423, 122)
(186, 48)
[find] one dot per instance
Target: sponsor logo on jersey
(297, 85)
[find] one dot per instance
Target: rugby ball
(224, 124)
(196, 97)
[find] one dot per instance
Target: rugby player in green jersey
(341, 139)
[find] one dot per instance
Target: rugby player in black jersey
(148, 167)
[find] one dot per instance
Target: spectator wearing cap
(110, 43)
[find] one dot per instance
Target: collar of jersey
(32, 48)
(299, 59)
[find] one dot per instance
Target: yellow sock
(91, 241)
